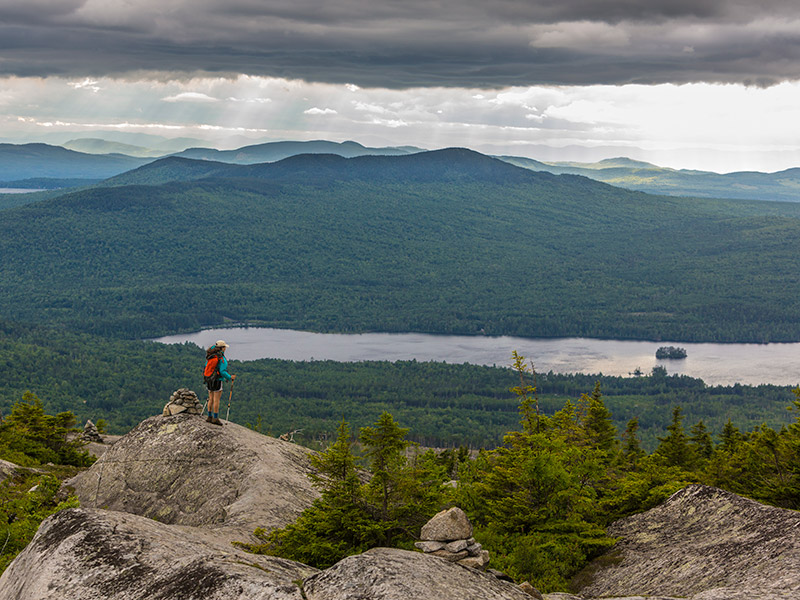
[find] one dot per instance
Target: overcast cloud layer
(409, 43)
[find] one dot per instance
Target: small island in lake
(670, 352)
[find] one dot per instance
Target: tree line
(445, 405)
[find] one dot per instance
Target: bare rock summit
(182, 470)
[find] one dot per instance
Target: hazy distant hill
(637, 175)
(99, 146)
(27, 161)
(438, 166)
(449, 241)
(273, 151)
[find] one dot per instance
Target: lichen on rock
(706, 544)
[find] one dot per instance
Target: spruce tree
(598, 426)
(700, 441)
(632, 447)
(674, 448)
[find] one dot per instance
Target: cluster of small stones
(90, 433)
(448, 535)
(183, 400)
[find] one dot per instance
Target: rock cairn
(449, 535)
(90, 433)
(183, 400)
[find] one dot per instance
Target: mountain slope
(449, 165)
(100, 146)
(449, 242)
(636, 175)
(41, 160)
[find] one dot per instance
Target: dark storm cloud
(469, 43)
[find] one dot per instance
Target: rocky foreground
(705, 544)
(161, 506)
(182, 470)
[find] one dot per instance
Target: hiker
(215, 373)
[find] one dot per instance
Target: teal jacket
(223, 368)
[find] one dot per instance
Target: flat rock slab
(86, 554)
(182, 470)
(705, 544)
(391, 574)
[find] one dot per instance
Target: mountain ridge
(438, 165)
(448, 241)
(635, 175)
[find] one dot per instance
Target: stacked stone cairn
(448, 535)
(183, 400)
(90, 433)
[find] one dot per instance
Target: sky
(704, 84)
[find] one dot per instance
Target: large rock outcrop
(182, 470)
(704, 543)
(87, 554)
(391, 574)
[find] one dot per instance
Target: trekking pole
(228, 412)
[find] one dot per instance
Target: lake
(716, 364)
(17, 190)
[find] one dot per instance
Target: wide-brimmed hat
(221, 344)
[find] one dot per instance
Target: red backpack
(211, 371)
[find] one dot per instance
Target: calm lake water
(716, 364)
(17, 190)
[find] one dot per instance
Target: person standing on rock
(215, 373)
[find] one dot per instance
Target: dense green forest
(45, 451)
(445, 405)
(443, 242)
(541, 502)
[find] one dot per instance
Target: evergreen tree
(730, 438)
(700, 441)
(337, 524)
(597, 424)
(674, 448)
(632, 448)
(29, 436)
(384, 444)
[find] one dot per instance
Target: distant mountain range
(93, 159)
(449, 241)
(28, 161)
(274, 151)
(86, 160)
(637, 175)
(99, 146)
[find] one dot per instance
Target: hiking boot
(216, 421)
(209, 419)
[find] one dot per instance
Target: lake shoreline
(714, 363)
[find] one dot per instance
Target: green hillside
(449, 242)
(783, 186)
